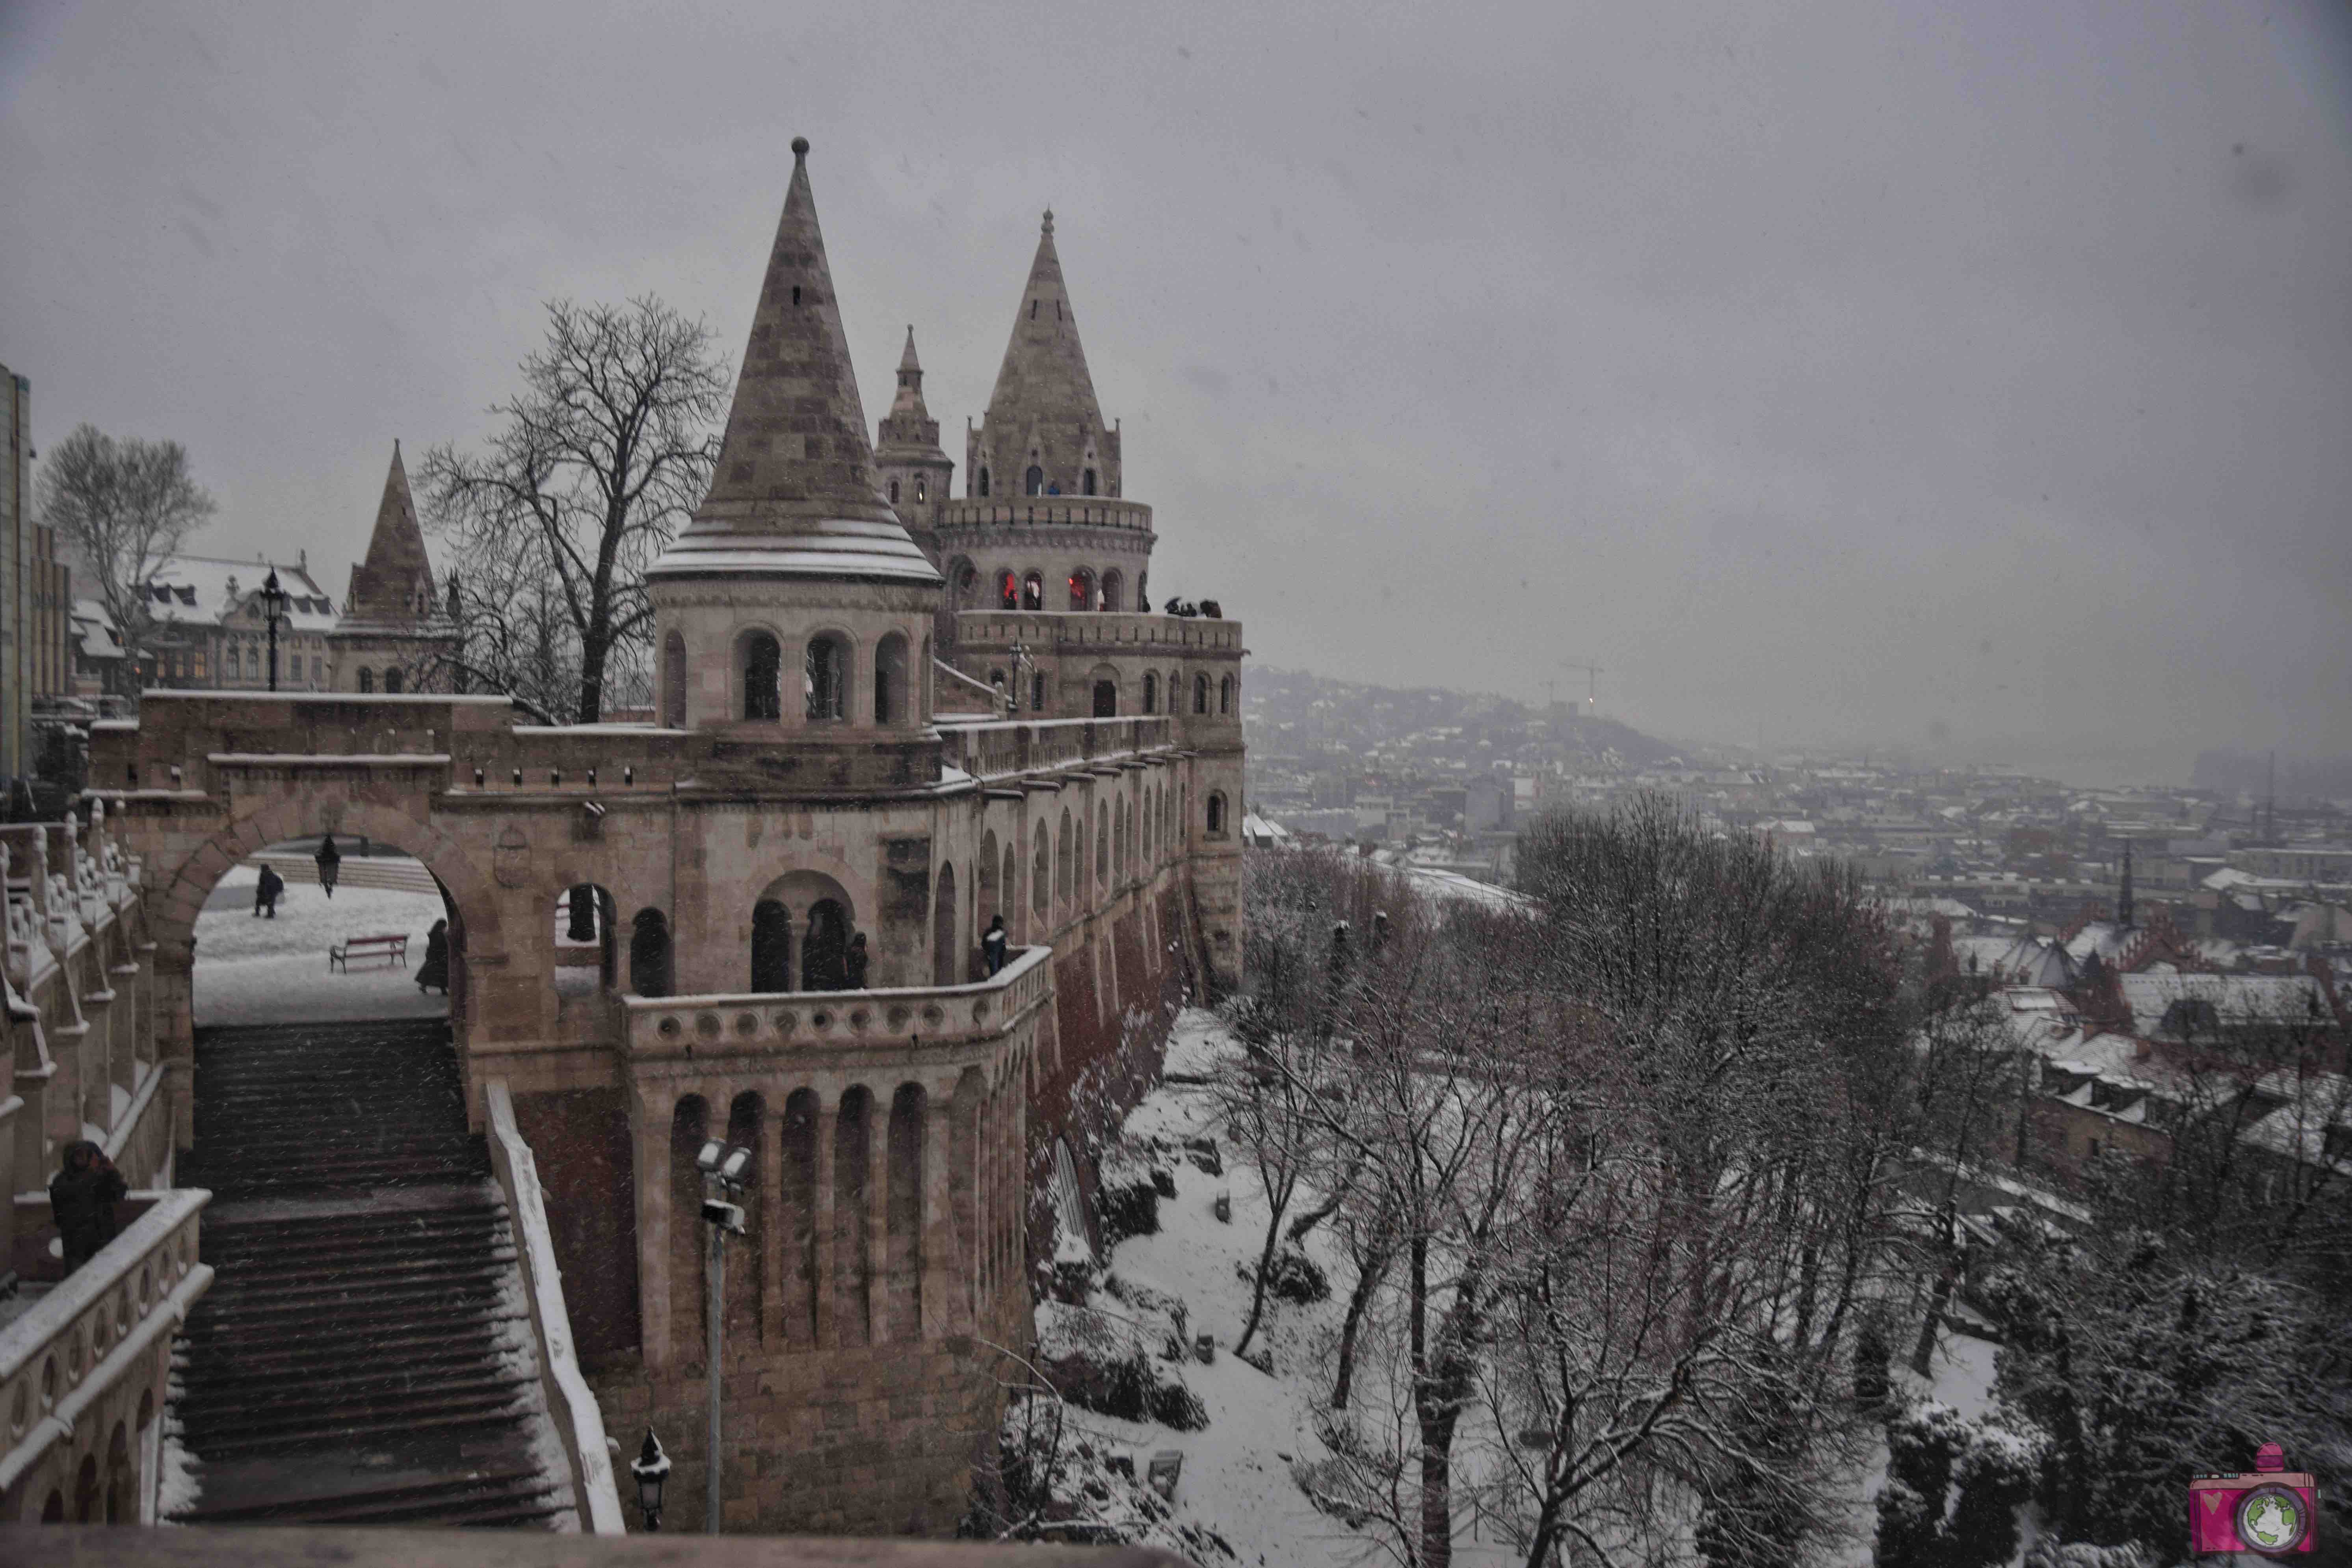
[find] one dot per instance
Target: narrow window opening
(1035, 479)
(1087, 482)
(894, 492)
(983, 481)
(763, 659)
(796, 293)
(919, 491)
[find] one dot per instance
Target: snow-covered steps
(363, 1358)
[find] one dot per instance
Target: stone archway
(175, 891)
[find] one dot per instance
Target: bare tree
(125, 507)
(595, 464)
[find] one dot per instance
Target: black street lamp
(273, 605)
(651, 1467)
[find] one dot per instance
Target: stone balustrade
(303, 1546)
(93, 1355)
(937, 1018)
(1044, 511)
(1111, 631)
(1003, 749)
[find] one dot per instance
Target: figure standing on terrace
(83, 1196)
(993, 945)
(265, 892)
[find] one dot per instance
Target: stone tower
(394, 635)
(915, 471)
(793, 614)
(1044, 432)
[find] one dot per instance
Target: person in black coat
(856, 962)
(83, 1196)
(267, 892)
(329, 859)
(994, 943)
(434, 970)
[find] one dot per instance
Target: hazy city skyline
(1864, 374)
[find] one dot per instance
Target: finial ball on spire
(800, 146)
(1049, 220)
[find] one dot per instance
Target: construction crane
(1592, 673)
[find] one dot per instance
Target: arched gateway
(789, 874)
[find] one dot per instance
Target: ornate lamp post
(273, 605)
(726, 1171)
(651, 1467)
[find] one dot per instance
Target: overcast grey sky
(1849, 371)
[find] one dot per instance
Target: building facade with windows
(211, 627)
(395, 634)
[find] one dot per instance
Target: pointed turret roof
(795, 492)
(388, 585)
(1044, 381)
(909, 422)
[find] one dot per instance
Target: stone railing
(1000, 749)
(1112, 631)
(1045, 511)
(842, 1021)
(578, 1422)
(98, 1326)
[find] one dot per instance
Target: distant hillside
(1320, 709)
(2300, 779)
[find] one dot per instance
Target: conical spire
(795, 491)
(909, 404)
(397, 576)
(1044, 381)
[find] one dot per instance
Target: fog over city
(1973, 379)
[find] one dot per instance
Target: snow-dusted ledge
(577, 1420)
(96, 1328)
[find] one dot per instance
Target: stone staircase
(363, 1356)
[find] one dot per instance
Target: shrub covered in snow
(1128, 1193)
(1060, 1482)
(1931, 1449)
(1108, 1365)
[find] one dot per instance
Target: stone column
(878, 1217)
(97, 1053)
(828, 1118)
(939, 1313)
(773, 1221)
(654, 1306)
(122, 1048)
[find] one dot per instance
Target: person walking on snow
(991, 945)
(83, 1196)
(329, 858)
(266, 891)
(435, 971)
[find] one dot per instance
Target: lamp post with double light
(273, 607)
(726, 1171)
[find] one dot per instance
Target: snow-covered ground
(250, 970)
(1237, 1478)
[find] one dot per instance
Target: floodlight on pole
(726, 1171)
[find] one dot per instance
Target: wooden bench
(390, 949)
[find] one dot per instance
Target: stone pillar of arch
(878, 1217)
(938, 1223)
(828, 1117)
(651, 1135)
(770, 1158)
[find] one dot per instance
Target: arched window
(1151, 691)
(945, 970)
(1082, 589)
(1065, 854)
(983, 481)
(825, 676)
(649, 970)
(1225, 695)
(367, 680)
(1041, 883)
(894, 492)
(235, 664)
(1216, 819)
(392, 682)
(1087, 483)
(890, 679)
(1033, 591)
(1102, 843)
(920, 488)
(1106, 699)
(1200, 694)
(1114, 588)
(963, 583)
(1143, 592)
(825, 951)
(1008, 590)
(1035, 480)
(762, 667)
(674, 681)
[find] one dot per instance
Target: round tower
(1043, 524)
(795, 612)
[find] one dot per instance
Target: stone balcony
(940, 1025)
(84, 1362)
(306, 1547)
(1007, 748)
(974, 514)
